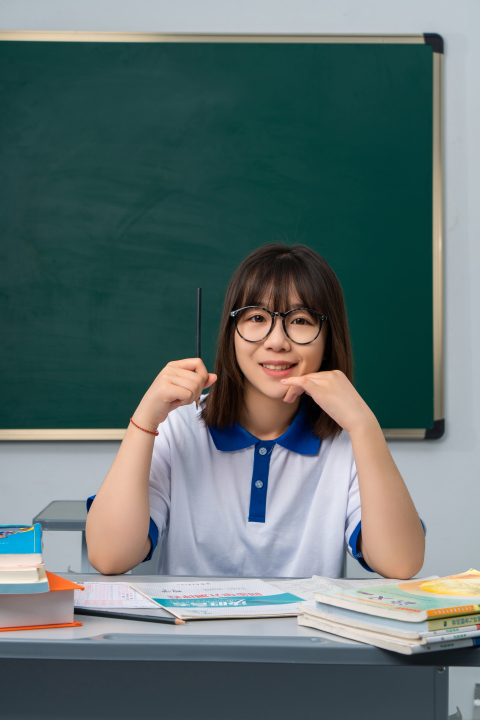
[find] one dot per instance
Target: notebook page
(111, 595)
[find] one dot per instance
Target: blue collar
(298, 437)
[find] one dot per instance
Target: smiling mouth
(278, 367)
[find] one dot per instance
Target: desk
(217, 670)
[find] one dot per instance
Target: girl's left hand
(335, 394)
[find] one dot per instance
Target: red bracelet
(147, 431)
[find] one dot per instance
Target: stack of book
(30, 596)
(408, 617)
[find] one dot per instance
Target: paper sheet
(220, 598)
(111, 595)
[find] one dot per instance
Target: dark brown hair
(278, 270)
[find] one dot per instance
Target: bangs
(281, 285)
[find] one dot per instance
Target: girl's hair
(279, 271)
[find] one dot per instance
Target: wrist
(368, 425)
(151, 414)
(144, 422)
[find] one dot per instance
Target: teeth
(277, 367)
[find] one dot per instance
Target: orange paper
(55, 582)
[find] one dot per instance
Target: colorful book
(382, 640)
(53, 608)
(413, 600)
(21, 563)
(20, 546)
(398, 629)
(20, 539)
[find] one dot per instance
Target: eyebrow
(296, 306)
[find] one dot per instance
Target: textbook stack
(29, 595)
(407, 617)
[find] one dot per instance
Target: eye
(301, 321)
(257, 318)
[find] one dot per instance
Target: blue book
(40, 586)
(21, 562)
(20, 539)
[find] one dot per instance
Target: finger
(188, 384)
(193, 364)
(199, 382)
(186, 374)
(178, 394)
(191, 386)
(292, 394)
(303, 381)
(291, 381)
(211, 379)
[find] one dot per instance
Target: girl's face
(266, 362)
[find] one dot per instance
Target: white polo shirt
(226, 503)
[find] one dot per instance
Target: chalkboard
(138, 168)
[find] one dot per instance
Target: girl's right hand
(181, 382)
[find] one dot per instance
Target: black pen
(125, 616)
(198, 347)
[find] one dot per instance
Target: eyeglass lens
(254, 324)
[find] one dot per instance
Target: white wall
(442, 476)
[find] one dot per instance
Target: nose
(277, 340)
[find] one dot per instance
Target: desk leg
(441, 693)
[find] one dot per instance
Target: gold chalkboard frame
(437, 194)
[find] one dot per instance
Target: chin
(276, 393)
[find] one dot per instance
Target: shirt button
(259, 483)
(263, 451)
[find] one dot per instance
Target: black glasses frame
(234, 314)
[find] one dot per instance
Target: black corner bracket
(436, 41)
(435, 432)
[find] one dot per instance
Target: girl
(282, 463)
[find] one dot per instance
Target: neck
(264, 417)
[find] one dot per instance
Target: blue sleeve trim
(354, 544)
(152, 531)
(153, 535)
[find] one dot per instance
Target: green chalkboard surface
(135, 172)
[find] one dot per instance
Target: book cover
(413, 600)
(220, 599)
(381, 640)
(20, 539)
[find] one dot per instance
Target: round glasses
(254, 324)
